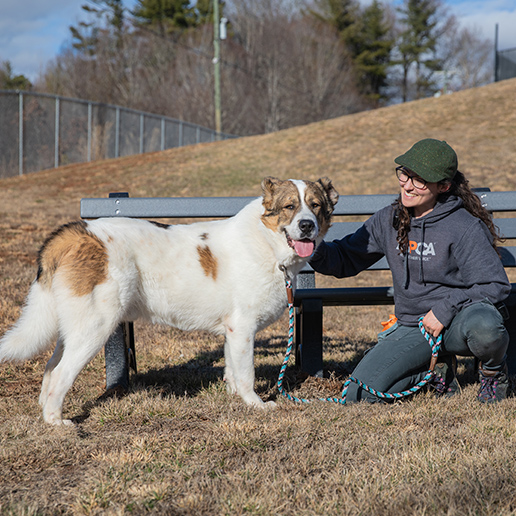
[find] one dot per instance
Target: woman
(440, 244)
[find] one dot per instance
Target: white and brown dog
(224, 276)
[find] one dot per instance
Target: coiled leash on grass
(342, 400)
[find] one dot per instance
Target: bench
(308, 299)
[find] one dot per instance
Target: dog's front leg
(239, 370)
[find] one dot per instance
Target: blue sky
(33, 31)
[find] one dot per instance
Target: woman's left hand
(432, 325)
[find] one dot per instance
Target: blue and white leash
(342, 400)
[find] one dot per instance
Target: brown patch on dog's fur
(281, 202)
(76, 253)
(208, 261)
(321, 198)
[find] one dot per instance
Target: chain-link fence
(40, 131)
(505, 64)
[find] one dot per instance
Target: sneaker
(493, 385)
(444, 382)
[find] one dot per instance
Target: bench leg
(120, 355)
(309, 337)
(510, 324)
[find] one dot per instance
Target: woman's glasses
(403, 177)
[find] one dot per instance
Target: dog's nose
(306, 226)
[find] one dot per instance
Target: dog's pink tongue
(304, 248)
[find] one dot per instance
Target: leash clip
(288, 285)
(290, 293)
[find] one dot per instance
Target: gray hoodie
(450, 264)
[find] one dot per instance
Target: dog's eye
(315, 205)
(289, 207)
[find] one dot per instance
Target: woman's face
(421, 196)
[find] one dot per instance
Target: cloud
(484, 15)
(32, 32)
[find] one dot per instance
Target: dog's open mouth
(303, 248)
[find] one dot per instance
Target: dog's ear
(332, 194)
(268, 186)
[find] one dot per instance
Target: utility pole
(496, 65)
(216, 63)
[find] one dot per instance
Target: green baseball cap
(432, 160)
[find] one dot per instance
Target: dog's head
(300, 210)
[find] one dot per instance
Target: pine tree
(165, 15)
(204, 11)
(341, 14)
(373, 50)
(365, 35)
(86, 35)
(9, 81)
(417, 46)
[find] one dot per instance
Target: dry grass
(177, 443)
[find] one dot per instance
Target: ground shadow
(191, 377)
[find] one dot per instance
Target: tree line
(283, 62)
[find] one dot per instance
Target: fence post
(117, 131)
(89, 130)
(496, 54)
(162, 134)
(180, 142)
(56, 135)
(142, 122)
(20, 133)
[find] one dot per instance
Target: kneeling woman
(440, 244)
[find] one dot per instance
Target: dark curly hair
(459, 186)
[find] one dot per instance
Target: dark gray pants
(402, 356)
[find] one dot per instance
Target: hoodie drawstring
(405, 263)
(421, 275)
(406, 259)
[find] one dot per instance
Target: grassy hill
(356, 151)
(178, 443)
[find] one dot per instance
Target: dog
(225, 276)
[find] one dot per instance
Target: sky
(32, 32)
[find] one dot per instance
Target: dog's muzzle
(304, 246)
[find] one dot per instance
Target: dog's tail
(35, 330)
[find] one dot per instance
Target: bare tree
(299, 65)
(469, 58)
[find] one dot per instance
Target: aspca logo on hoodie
(421, 248)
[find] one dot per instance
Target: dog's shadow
(190, 378)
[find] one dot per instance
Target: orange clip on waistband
(390, 322)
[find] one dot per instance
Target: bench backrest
(119, 205)
(163, 207)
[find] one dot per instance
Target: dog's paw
(61, 422)
(265, 405)
(230, 387)
(57, 421)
